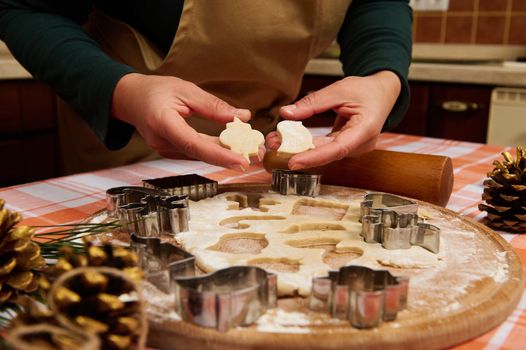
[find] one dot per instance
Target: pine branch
(70, 235)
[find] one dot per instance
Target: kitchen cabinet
(451, 111)
(27, 132)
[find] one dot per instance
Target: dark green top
(47, 38)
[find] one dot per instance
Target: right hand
(157, 106)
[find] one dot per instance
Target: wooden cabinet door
(459, 112)
(415, 120)
(27, 132)
(28, 159)
(27, 106)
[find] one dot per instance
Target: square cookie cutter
(289, 182)
(363, 296)
(393, 221)
(226, 298)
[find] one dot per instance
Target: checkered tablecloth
(72, 198)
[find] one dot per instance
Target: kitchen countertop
(498, 73)
(479, 64)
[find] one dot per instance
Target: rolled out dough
(296, 237)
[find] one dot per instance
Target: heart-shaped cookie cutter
(234, 296)
(196, 187)
(393, 221)
(148, 212)
(363, 296)
(289, 182)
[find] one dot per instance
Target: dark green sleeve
(375, 36)
(46, 37)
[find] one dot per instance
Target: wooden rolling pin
(421, 176)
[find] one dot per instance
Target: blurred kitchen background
(468, 83)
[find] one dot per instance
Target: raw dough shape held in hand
(295, 138)
(241, 138)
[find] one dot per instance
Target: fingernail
(242, 113)
(295, 166)
(289, 109)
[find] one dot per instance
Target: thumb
(314, 103)
(215, 108)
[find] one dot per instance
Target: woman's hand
(362, 105)
(157, 106)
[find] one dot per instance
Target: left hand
(362, 105)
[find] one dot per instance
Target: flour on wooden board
(299, 238)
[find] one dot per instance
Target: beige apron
(249, 53)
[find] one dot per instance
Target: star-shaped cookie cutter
(363, 296)
(230, 297)
(148, 212)
(289, 182)
(393, 221)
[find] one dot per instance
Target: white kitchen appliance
(507, 117)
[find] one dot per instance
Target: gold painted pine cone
(20, 258)
(102, 300)
(96, 291)
(92, 298)
(50, 337)
(106, 255)
(504, 193)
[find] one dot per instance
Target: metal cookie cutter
(194, 186)
(298, 183)
(160, 260)
(234, 296)
(363, 296)
(148, 212)
(393, 221)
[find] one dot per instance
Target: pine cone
(44, 336)
(94, 297)
(37, 328)
(505, 193)
(20, 259)
(100, 300)
(106, 255)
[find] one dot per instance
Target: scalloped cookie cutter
(363, 296)
(393, 221)
(226, 298)
(289, 182)
(196, 187)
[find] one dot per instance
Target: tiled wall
(496, 22)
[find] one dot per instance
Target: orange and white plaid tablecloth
(72, 198)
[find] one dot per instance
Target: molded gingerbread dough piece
(241, 138)
(295, 138)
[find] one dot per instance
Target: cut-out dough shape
(322, 209)
(336, 259)
(250, 200)
(245, 243)
(241, 138)
(295, 138)
(276, 264)
(235, 221)
(313, 227)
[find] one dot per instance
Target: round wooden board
(439, 314)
